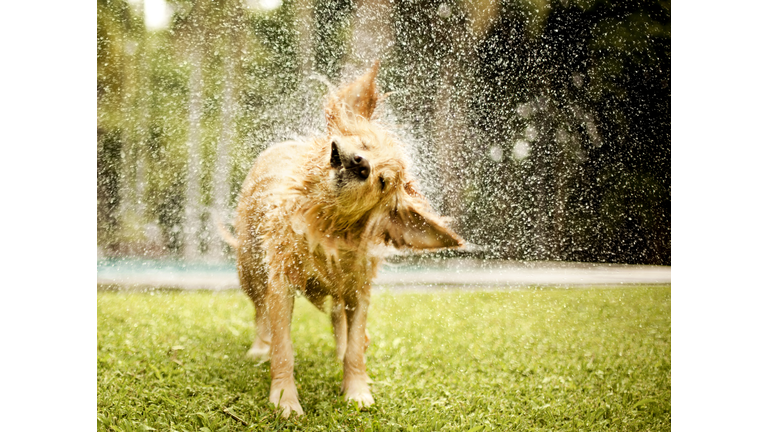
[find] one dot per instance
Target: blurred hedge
(542, 127)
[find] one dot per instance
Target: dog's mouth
(349, 166)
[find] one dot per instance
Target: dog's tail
(224, 232)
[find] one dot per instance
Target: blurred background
(541, 127)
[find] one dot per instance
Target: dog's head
(366, 174)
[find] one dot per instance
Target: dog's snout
(360, 167)
(354, 164)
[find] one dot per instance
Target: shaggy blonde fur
(312, 217)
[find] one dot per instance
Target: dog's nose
(360, 166)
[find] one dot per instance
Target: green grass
(544, 359)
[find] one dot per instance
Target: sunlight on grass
(586, 359)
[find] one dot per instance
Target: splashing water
(541, 128)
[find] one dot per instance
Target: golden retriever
(313, 217)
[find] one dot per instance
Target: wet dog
(313, 217)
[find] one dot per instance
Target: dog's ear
(411, 224)
(357, 99)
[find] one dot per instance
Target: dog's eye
(382, 182)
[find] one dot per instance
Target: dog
(314, 217)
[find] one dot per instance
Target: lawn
(538, 359)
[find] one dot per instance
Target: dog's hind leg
(339, 320)
(253, 280)
(315, 293)
(260, 350)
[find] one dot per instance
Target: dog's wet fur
(314, 217)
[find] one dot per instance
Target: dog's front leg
(283, 391)
(355, 385)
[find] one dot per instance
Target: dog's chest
(341, 271)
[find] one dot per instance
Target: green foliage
(108, 197)
(143, 98)
(544, 359)
(333, 27)
(588, 90)
(115, 26)
(585, 84)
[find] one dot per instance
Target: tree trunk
(221, 186)
(192, 211)
(135, 137)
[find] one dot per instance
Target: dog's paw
(358, 391)
(291, 407)
(288, 400)
(259, 352)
